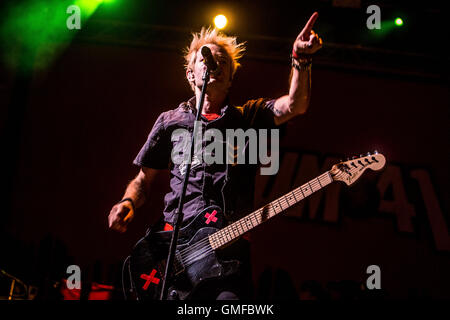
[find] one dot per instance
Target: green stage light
(398, 22)
(34, 32)
(88, 6)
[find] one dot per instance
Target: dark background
(71, 130)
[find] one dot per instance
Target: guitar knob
(173, 295)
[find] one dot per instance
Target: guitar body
(195, 264)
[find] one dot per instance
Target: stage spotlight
(220, 21)
(398, 22)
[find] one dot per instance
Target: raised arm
(297, 101)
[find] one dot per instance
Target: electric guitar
(196, 259)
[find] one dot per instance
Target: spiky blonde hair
(213, 36)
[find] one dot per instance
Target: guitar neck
(236, 229)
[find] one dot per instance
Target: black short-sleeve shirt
(214, 183)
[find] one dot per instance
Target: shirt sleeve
(155, 153)
(259, 113)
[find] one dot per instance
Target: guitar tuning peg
(375, 152)
(354, 157)
(361, 155)
(368, 154)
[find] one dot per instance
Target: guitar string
(239, 224)
(207, 250)
(186, 254)
(198, 255)
(192, 249)
(193, 257)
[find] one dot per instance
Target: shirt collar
(192, 104)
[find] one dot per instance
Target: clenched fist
(120, 216)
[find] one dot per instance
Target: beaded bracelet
(301, 63)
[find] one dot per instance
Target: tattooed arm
(137, 190)
(297, 101)
(139, 187)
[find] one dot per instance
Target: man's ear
(190, 75)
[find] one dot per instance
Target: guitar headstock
(349, 171)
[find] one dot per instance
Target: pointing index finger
(308, 27)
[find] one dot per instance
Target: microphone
(210, 63)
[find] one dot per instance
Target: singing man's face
(221, 78)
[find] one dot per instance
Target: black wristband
(131, 201)
(301, 63)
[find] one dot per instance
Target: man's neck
(212, 103)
